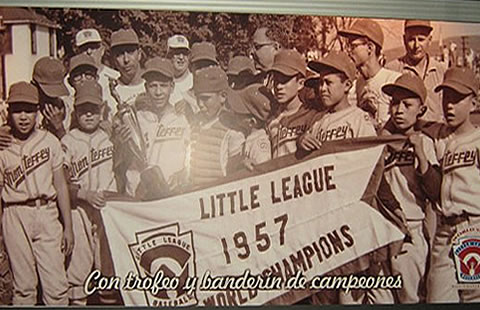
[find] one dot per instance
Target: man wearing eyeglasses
(364, 45)
(416, 39)
(263, 51)
(89, 42)
(178, 51)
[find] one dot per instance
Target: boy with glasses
(364, 45)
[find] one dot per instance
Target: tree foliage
(231, 33)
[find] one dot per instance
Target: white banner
(306, 217)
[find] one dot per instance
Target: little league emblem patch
(466, 252)
(166, 250)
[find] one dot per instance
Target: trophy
(152, 182)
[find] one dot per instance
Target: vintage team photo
(167, 158)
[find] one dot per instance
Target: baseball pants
(411, 263)
(81, 260)
(33, 238)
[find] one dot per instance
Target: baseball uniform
(372, 88)
(285, 128)
(349, 123)
(458, 155)
(128, 93)
(88, 158)
(257, 147)
(32, 231)
(401, 174)
(166, 137)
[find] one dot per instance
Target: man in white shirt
(178, 51)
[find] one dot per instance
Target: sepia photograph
(172, 158)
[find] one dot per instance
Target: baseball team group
(152, 128)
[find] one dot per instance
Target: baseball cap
(462, 80)
(338, 61)
(410, 82)
(240, 63)
(365, 28)
(177, 41)
(204, 51)
(85, 36)
(251, 100)
(23, 92)
(312, 79)
(411, 23)
(49, 73)
(289, 62)
(88, 92)
(124, 37)
(82, 60)
(210, 79)
(158, 65)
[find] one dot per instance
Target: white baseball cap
(87, 36)
(178, 41)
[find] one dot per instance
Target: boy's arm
(63, 201)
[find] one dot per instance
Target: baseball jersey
(103, 79)
(26, 167)
(182, 85)
(458, 156)
(89, 159)
(257, 147)
(129, 93)
(432, 76)
(349, 123)
(285, 128)
(400, 172)
(166, 139)
(373, 87)
(212, 146)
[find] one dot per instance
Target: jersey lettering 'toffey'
(455, 160)
(16, 176)
(338, 133)
(97, 157)
(165, 132)
(400, 158)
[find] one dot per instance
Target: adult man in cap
(178, 51)
(48, 76)
(264, 49)
(203, 55)
(290, 117)
(417, 38)
(89, 42)
(126, 53)
(364, 44)
(165, 133)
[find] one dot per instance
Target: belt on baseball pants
(457, 219)
(33, 202)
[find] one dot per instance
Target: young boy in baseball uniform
(291, 118)
(454, 183)
(407, 106)
(341, 120)
(88, 159)
(34, 194)
(213, 145)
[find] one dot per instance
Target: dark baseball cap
(158, 65)
(339, 61)
(409, 82)
(289, 63)
(462, 80)
(23, 92)
(210, 79)
(124, 37)
(203, 51)
(240, 63)
(365, 28)
(416, 23)
(251, 100)
(88, 92)
(82, 60)
(49, 73)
